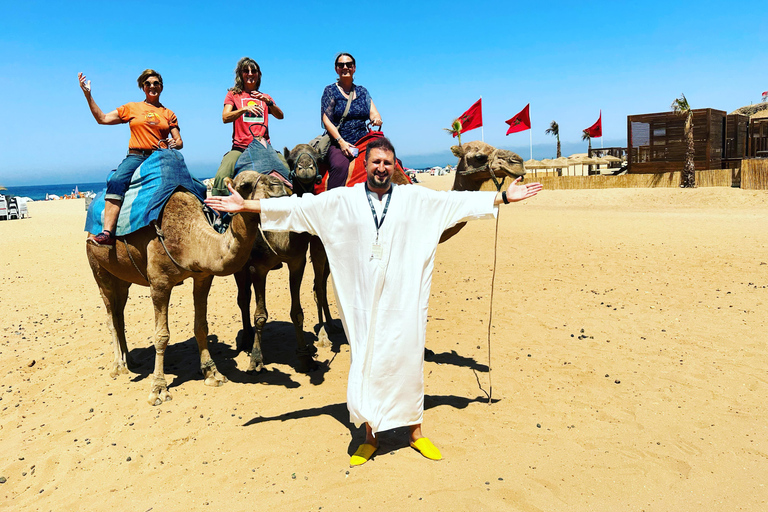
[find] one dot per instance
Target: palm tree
(554, 129)
(680, 107)
(455, 129)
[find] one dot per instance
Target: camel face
(476, 158)
(254, 185)
(303, 161)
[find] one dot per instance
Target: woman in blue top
(345, 136)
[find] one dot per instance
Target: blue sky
(424, 63)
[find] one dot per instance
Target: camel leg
(304, 350)
(322, 271)
(200, 293)
(243, 280)
(260, 317)
(114, 293)
(161, 295)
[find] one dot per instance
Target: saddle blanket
(152, 184)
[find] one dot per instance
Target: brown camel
(270, 249)
(478, 161)
(191, 249)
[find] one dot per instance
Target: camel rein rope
(498, 185)
(127, 250)
(161, 237)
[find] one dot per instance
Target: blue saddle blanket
(261, 159)
(152, 184)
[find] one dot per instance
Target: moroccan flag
(521, 121)
(472, 118)
(596, 130)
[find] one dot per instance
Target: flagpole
(530, 134)
(482, 129)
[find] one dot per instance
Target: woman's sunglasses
(153, 84)
(348, 65)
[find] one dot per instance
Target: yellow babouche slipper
(427, 449)
(363, 453)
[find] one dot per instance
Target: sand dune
(628, 365)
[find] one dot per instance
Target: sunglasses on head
(348, 65)
(153, 84)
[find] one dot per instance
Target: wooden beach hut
(758, 131)
(656, 142)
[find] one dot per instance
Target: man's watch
(269, 103)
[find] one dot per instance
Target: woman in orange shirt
(151, 124)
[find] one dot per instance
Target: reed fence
(754, 174)
(708, 178)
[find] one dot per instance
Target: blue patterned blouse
(333, 105)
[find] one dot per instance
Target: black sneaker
(103, 238)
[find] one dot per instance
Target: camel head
(303, 160)
(254, 185)
(477, 160)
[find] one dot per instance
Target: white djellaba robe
(383, 302)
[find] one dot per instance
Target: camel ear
(287, 155)
(458, 151)
(228, 181)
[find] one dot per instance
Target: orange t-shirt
(148, 123)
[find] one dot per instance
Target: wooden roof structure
(656, 142)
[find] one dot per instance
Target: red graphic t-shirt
(248, 126)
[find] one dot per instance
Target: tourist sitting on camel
(151, 124)
(345, 130)
(248, 110)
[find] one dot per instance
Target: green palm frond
(680, 105)
(554, 129)
(585, 135)
(455, 129)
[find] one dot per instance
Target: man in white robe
(381, 241)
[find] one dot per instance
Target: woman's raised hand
(85, 85)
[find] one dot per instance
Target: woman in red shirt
(248, 110)
(151, 124)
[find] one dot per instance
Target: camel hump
(152, 185)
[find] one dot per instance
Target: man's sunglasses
(153, 84)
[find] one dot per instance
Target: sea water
(38, 192)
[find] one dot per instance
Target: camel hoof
(118, 369)
(215, 381)
(165, 396)
(255, 367)
(322, 339)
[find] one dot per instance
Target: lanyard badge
(377, 251)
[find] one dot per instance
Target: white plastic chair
(3, 208)
(13, 209)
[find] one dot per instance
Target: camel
(478, 161)
(184, 245)
(270, 249)
(480, 167)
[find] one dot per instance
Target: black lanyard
(376, 222)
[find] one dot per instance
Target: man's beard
(373, 182)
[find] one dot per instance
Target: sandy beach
(628, 366)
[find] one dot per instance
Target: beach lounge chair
(22, 204)
(3, 208)
(13, 208)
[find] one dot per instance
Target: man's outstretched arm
(517, 192)
(233, 203)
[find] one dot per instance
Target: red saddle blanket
(357, 172)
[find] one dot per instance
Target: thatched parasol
(751, 110)
(562, 162)
(534, 164)
(612, 159)
(548, 163)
